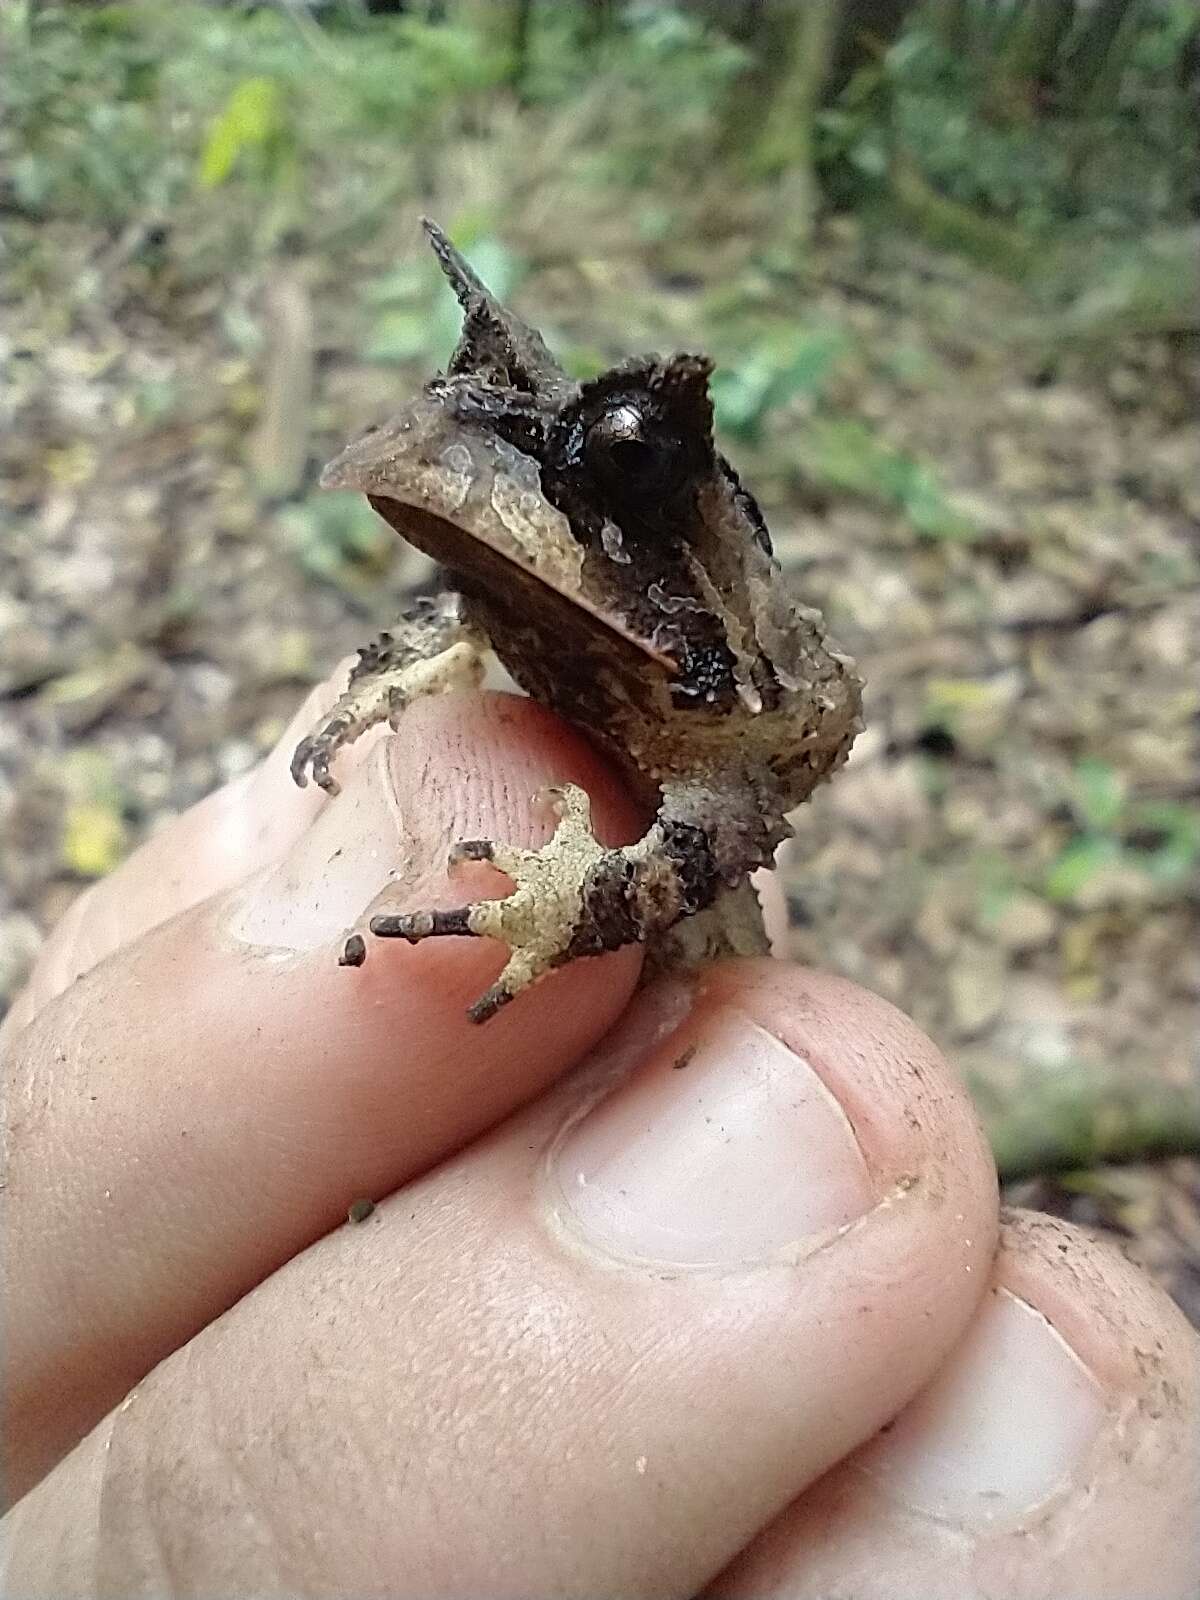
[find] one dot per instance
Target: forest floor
(1000, 524)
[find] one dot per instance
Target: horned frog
(600, 545)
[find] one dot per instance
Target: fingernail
(353, 850)
(721, 1149)
(1000, 1430)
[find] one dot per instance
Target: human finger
(208, 1100)
(1054, 1454)
(592, 1354)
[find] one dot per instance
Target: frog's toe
(428, 653)
(544, 922)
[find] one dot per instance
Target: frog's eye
(630, 458)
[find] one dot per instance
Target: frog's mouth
(474, 504)
(506, 577)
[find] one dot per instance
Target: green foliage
(645, 100)
(81, 127)
(338, 539)
(1121, 849)
(94, 833)
(656, 52)
(1100, 794)
(1028, 112)
(251, 126)
(413, 316)
(113, 111)
(1084, 861)
(778, 367)
(1148, 284)
(842, 453)
(1164, 839)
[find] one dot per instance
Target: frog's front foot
(430, 651)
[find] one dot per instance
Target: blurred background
(946, 255)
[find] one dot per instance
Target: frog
(595, 541)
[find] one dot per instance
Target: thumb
(211, 1098)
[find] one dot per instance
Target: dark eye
(630, 459)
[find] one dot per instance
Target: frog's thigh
(731, 926)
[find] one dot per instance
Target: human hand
(605, 1328)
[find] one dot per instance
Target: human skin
(694, 1289)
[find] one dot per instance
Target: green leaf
(809, 363)
(404, 283)
(1172, 859)
(843, 453)
(1100, 792)
(339, 539)
(582, 360)
(928, 509)
(94, 836)
(780, 367)
(1082, 860)
(94, 839)
(741, 396)
(251, 120)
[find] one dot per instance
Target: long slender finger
(207, 1101)
(591, 1355)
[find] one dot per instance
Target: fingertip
(711, 1328)
(1110, 1312)
(466, 767)
(1053, 1453)
(909, 1108)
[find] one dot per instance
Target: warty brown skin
(606, 552)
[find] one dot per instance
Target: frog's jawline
(478, 564)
